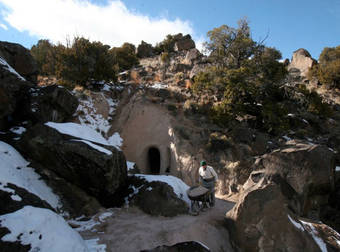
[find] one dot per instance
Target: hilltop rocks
(183, 43)
(98, 170)
(20, 59)
(302, 61)
(192, 56)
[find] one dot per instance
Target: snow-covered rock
(42, 229)
(14, 169)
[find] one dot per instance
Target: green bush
(328, 69)
(45, 55)
(315, 104)
(125, 56)
(165, 57)
(82, 61)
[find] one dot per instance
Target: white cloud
(112, 24)
(3, 26)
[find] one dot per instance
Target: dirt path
(129, 229)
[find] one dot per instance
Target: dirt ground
(129, 229)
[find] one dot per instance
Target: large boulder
(52, 103)
(20, 59)
(156, 198)
(302, 61)
(260, 221)
(13, 90)
(75, 201)
(98, 170)
(145, 50)
(192, 56)
(308, 168)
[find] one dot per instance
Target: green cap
(203, 162)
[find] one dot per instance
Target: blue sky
(290, 24)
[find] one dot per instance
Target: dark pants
(211, 186)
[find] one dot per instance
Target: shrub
(328, 69)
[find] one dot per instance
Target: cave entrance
(154, 160)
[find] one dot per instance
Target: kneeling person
(208, 177)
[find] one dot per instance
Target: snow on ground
(314, 233)
(18, 130)
(43, 229)
(86, 133)
(9, 68)
(89, 115)
(94, 246)
(179, 187)
(14, 169)
(89, 224)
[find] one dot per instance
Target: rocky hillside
(68, 153)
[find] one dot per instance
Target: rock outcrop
(20, 59)
(183, 43)
(309, 170)
(302, 61)
(157, 198)
(260, 221)
(52, 103)
(13, 90)
(98, 170)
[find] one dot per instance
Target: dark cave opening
(154, 160)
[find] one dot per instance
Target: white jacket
(208, 173)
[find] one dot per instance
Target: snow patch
(94, 146)
(129, 165)
(94, 246)
(86, 133)
(296, 224)
(10, 69)
(18, 130)
(105, 215)
(115, 140)
(322, 245)
(89, 116)
(84, 225)
(179, 187)
(286, 138)
(159, 86)
(16, 197)
(42, 229)
(14, 169)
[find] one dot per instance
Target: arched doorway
(154, 160)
